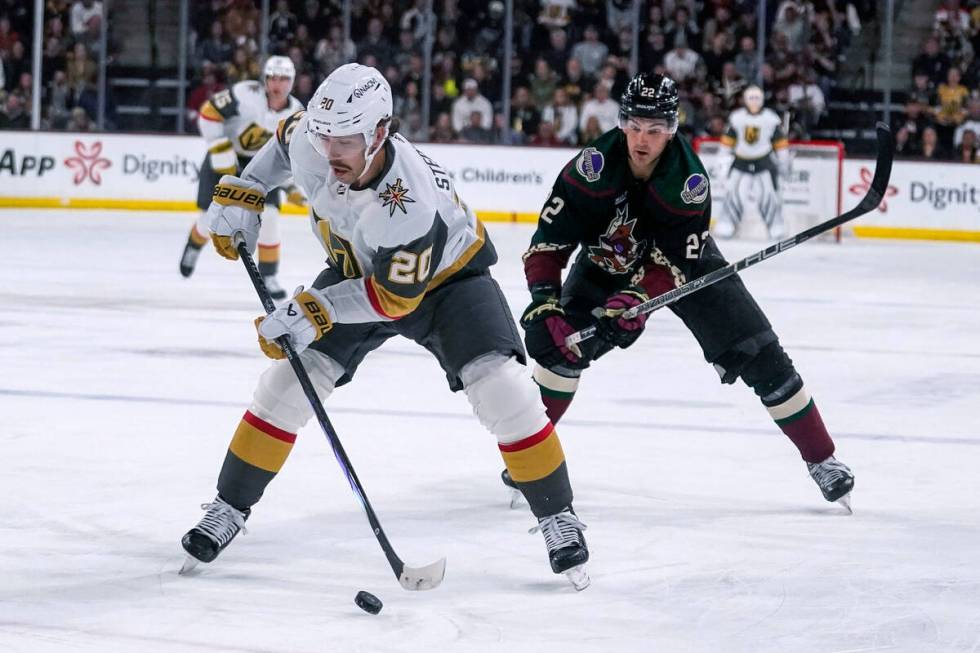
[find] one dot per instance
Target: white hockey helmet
(753, 98)
(279, 66)
(353, 99)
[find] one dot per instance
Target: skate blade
(417, 579)
(516, 499)
(578, 577)
(846, 502)
(190, 564)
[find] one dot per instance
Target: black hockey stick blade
(411, 578)
(870, 201)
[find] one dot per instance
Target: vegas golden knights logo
(751, 135)
(339, 250)
(253, 137)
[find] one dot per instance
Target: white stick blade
(416, 579)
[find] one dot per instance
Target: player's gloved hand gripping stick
(883, 171)
(411, 578)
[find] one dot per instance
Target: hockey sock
(557, 391)
(800, 420)
(537, 465)
(268, 259)
(195, 239)
(255, 456)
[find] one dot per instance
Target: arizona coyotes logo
(395, 197)
(751, 134)
(339, 250)
(253, 137)
(617, 250)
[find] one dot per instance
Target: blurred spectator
(682, 31)
(972, 121)
(966, 149)
(564, 116)
(79, 122)
(413, 129)
(333, 52)
(406, 50)
(730, 86)
(806, 99)
(375, 44)
(414, 21)
(55, 45)
(931, 148)
(408, 102)
(602, 108)
(474, 131)
(590, 51)
(653, 51)
(914, 122)
(7, 35)
(502, 135)
(558, 52)
(82, 71)
(905, 145)
(17, 63)
(574, 81)
(315, 17)
(545, 136)
(440, 103)
(682, 63)
(542, 82)
(716, 127)
(468, 102)
(282, 25)
(591, 131)
(59, 100)
(242, 68)
(555, 13)
(719, 23)
(922, 90)
(931, 62)
(15, 114)
(216, 48)
(951, 97)
(442, 131)
(208, 86)
(524, 116)
(619, 15)
(747, 61)
(716, 55)
(86, 19)
(793, 23)
(305, 88)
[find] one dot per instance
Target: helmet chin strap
(369, 156)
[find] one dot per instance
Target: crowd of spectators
(70, 48)
(942, 110)
(571, 60)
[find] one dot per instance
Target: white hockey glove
(305, 319)
(235, 208)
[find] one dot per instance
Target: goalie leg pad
(732, 207)
(508, 405)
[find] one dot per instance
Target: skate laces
(560, 530)
(829, 472)
(221, 522)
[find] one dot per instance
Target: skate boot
(516, 496)
(213, 533)
(567, 550)
(276, 291)
(834, 479)
(188, 260)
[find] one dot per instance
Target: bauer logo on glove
(228, 195)
(305, 319)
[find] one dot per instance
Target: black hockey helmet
(649, 95)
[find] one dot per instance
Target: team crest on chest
(395, 196)
(590, 163)
(618, 249)
(695, 189)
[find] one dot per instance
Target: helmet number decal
(326, 103)
(648, 91)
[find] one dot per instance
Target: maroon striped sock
(807, 431)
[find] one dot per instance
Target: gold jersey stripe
(463, 259)
(392, 305)
(536, 462)
(727, 140)
(259, 449)
(208, 112)
(219, 146)
(780, 144)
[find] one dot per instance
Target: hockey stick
(411, 578)
(883, 171)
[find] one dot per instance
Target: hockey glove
(612, 326)
(235, 208)
(545, 330)
(305, 319)
(294, 195)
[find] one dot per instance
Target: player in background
(236, 123)
(637, 201)
(755, 135)
(406, 257)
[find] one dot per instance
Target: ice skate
(567, 549)
(516, 496)
(834, 479)
(276, 291)
(188, 260)
(213, 533)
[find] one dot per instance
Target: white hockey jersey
(240, 116)
(754, 135)
(393, 240)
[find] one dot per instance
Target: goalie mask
(753, 99)
(352, 100)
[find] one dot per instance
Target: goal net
(811, 195)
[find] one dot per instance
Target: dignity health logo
(88, 163)
(861, 188)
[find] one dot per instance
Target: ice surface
(121, 384)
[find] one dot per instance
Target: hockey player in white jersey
(755, 136)
(406, 257)
(236, 123)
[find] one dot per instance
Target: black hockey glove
(545, 330)
(615, 329)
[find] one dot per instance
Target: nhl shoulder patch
(695, 189)
(590, 163)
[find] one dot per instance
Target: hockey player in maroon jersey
(637, 202)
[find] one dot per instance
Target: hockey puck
(368, 602)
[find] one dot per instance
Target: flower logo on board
(862, 188)
(88, 163)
